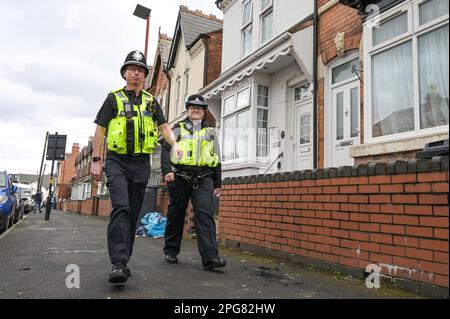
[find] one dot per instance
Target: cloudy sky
(58, 61)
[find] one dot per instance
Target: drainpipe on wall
(205, 69)
(315, 51)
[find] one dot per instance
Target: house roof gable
(191, 24)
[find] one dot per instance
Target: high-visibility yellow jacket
(133, 130)
(197, 148)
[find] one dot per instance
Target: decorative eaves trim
(250, 71)
(196, 49)
(228, 78)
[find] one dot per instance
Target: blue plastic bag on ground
(155, 223)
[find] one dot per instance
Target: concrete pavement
(35, 254)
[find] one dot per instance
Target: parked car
(8, 201)
(25, 201)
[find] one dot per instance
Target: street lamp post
(144, 13)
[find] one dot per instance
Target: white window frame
(429, 24)
(234, 114)
(235, 96)
(414, 31)
(247, 87)
(186, 84)
(265, 12)
(266, 8)
(264, 108)
(243, 52)
(177, 93)
(304, 98)
(307, 131)
(246, 25)
(229, 97)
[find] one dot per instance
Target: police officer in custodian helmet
(131, 118)
(196, 175)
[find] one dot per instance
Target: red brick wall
(87, 207)
(67, 171)
(339, 18)
(104, 207)
(214, 56)
(161, 82)
(73, 206)
(63, 190)
(394, 214)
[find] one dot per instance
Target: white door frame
(328, 104)
(341, 149)
(307, 108)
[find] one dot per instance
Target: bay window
(407, 70)
(246, 124)
(236, 125)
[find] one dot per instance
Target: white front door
(303, 128)
(345, 123)
(303, 146)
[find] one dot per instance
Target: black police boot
(171, 259)
(118, 273)
(127, 271)
(214, 263)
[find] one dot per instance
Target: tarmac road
(35, 254)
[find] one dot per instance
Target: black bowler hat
(196, 99)
(135, 58)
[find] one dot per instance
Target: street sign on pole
(56, 147)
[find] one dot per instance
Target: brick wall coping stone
(437, 163)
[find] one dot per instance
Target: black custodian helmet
(196, 99)
(135, 58)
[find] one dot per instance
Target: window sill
(245, 163)
(396, 146)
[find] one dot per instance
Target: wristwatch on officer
(95, 159)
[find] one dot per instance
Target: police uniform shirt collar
(189, 125)
(132, 93)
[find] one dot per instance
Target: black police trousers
(127, 177)
(204, 204)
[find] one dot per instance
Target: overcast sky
(58, 61)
